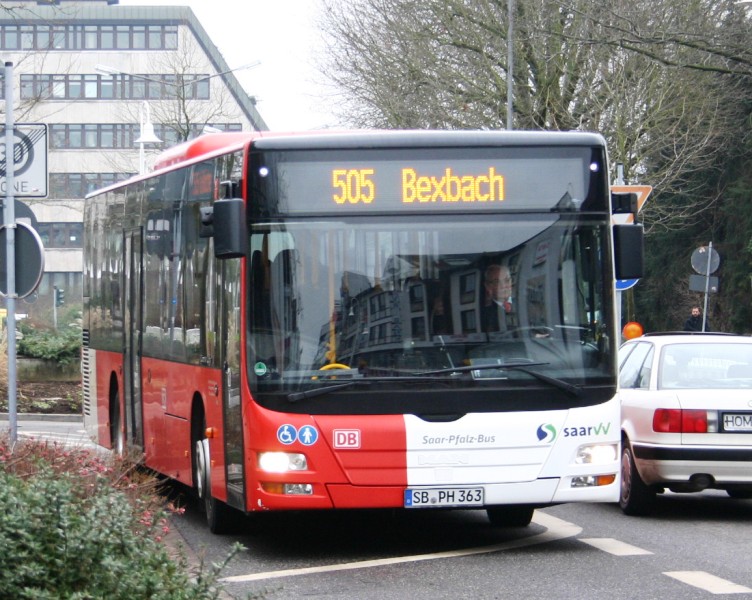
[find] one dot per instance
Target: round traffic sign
(705, 260)
(29, 263)
(624, 284)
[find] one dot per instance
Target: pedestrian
(694, 321)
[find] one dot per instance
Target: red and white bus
(362, 320)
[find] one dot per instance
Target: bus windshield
(445, 302)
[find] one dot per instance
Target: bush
(76, 527)
(62, 346)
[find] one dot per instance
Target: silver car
(686, 416)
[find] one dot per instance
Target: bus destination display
(436, 185)
(357, 185)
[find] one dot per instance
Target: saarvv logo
(546, 432)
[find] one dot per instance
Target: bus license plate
(437, 497)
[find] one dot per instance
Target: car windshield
(706, 365)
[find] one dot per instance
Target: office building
(97, 74)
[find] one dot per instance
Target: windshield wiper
(524, 367)
(313, 392)
(320, 391)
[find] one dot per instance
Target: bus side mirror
(629, 253)
(225, 222)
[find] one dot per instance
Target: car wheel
(636, 498)
(512, 515)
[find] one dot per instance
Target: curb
(43, 417)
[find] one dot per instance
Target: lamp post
(146, 135)
(510, 65)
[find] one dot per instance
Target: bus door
(132, 324)
(229, 325)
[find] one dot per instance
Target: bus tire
(635, 497)
(117, 439)
(510, 515)
(218, 514)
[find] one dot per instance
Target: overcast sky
(282, 36)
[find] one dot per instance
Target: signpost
(705, 261)
(25, 156)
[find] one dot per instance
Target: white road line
(615, 547)
(556, 529)
(709, 583)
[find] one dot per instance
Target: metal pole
(510, 66)
(10, 225)
(619, 295)
(707, 287)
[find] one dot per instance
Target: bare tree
(183, 109)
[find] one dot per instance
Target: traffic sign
(625, 284)
(29, 161)
(642, 191)
(705, 260)
(29, 260)
(700, 283)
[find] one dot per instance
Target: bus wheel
(117, 441)
(635, 497)
(512, 515)
(218, 514)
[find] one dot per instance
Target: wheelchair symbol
(287, 434)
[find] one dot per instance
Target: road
(695, 546)
(65, 430)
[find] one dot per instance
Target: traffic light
(59, 296)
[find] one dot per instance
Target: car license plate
(737, 422)
(438, 497)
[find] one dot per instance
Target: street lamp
(147, 135)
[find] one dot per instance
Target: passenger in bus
(498, 303)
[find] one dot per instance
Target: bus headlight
(282, 462)
(596, 454)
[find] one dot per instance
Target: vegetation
(667, 82)
(61, 345)
(79, 526)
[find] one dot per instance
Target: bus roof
(209, 144)
(203, 145)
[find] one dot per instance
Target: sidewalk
(44, 417)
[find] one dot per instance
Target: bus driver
(497, 304)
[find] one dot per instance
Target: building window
(77, 136)
(77, 185)
(117, 87)
(61, 235)
(88, 37)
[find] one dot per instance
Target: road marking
(66, 439)
(556, 529)
(709, 583)
(615, 547)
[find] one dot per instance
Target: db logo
(346, 438)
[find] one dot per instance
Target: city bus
(362, 320)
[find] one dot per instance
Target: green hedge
(62, 346)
